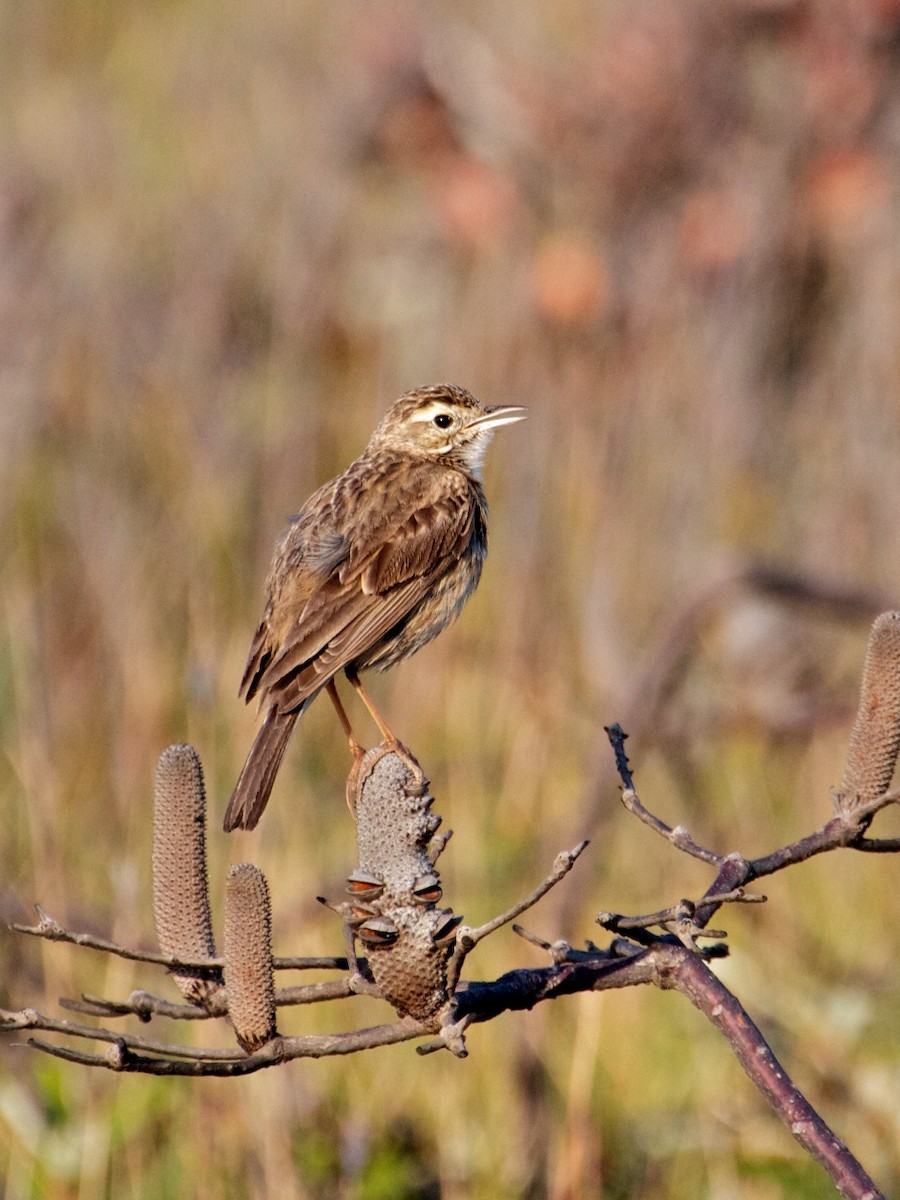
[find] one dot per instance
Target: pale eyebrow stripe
(431, 411)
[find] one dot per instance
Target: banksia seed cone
(406, 938)
(875, 737)
(180, 898)
(249, 978)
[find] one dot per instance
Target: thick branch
(694, 980)
(123, 1056)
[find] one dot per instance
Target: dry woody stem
(414, 948)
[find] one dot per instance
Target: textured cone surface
(180, 896)
(411, 973)
(394, 825)
(875, 737)
(249, 977)
(394, 822)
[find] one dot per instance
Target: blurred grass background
(230, 235)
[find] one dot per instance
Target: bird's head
(445, 423)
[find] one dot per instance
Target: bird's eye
(443, 420)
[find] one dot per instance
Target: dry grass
(229, 235)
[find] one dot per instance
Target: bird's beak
(499, 414)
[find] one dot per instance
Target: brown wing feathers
(254, 785)
(368, 563)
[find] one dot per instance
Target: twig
(878, 845)
(144, 1006)
(467, 938)
(847, 830)
(30, 1018)
(678, 836)
(562, 865)
(50, 929)
(139, 1004)
(562, 951)
(681, 920)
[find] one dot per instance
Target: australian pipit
(376, 564)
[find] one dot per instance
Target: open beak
(499, 414)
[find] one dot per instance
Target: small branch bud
(180, 897)
(249, 978)
(875, 737)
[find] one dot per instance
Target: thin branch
(677, 835)
(143, 1005)
(562, 865)
(845, 831)
(467, 938)
(682, 921)
(30, 1018)
(50, 929)
(562, 951)
(139, 1004)
(878, 845)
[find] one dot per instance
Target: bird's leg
(376, 716)
(355, 748)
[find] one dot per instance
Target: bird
(379, 561)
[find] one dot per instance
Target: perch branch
(416, 950)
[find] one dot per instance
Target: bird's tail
(254, 785)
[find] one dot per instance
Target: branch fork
(414, 948)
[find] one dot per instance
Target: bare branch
(707, 993)
(30, 1018)
(846, 830)
(677, 913)
(678, 836)
(878, 845)
(467, 938)
(144, 1006)
(562, 865)
(51, 930)
(145, 1056)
